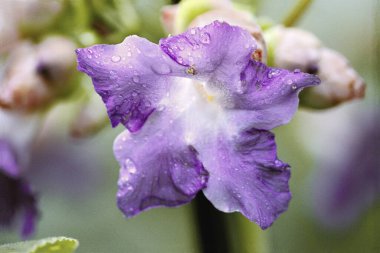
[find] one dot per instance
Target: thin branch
(296, 13)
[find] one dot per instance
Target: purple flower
(15, 193)
(198, 109)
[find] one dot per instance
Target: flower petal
(8, 163)
(246, 176)
(221, 55)
(15, 193)
(131, 77)
(157, 167)
(267, 97)
(217, 51)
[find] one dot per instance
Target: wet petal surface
(131, 78)
(246, 176)
(267, 97)
(157, 167)
(203, 117)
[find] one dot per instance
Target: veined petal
(131, 77)
(221, 56)
(158, 168)
(246, 176)
(267, 97)
(217, 52)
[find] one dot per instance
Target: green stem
(298, 10)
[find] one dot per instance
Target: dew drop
(160, 108)
(297, 71)
(294, 87)
(130, 188)
(130, 166)
(289, 81)
(161, 69)
(124, 178)
(115, 58)
(136, 79)
(192, 31)
(205, 38)
(273, 73)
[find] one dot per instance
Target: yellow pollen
(201, 89)
(191, 70)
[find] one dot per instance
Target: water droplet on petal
(130, 166)
(297, 71)
(273, 73)
(289, 81)
(115, 58)
(294, 87)
(136, 79)
(129, 54)
(192, 31)
(161, 69)
(160, 108)
(205, 38)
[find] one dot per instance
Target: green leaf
(46, 245)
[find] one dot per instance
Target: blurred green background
(76, 179)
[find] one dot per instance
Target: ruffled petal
(246, 176)
(222, 56)
(216, 53)
(158, 168)
(131, 77)
(267, 97)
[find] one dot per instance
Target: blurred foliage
(90, 213)
(47, 245)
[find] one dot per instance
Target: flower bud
(168, 16)
(340, 82)
(35, 75)
(36, 15)
(8, 30)
(293, 48)
(91, 118)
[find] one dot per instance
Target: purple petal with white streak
(131, 77)
(157, 167)
(246, 176)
